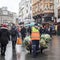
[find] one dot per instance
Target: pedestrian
(52, 29)
(23, 32)
(35, 37)
(14, 35)
(4, 38)
(42, 30)
(29, 30)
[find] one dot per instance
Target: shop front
(38, 18)
(48, 17)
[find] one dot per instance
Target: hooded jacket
(4, 35)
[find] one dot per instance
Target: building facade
(57, 10)
(25, 11)
(43, 10)
(56, 3)
(7, 16)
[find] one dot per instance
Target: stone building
(43, 10)
(6, 16)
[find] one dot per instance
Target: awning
(48, 15)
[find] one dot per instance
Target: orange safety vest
(35, 36)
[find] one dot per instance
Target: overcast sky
(13, 5)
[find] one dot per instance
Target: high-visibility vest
(35, 35)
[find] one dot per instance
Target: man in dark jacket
(23, 32)
(4, 38)
(29, 30)
(14, 34)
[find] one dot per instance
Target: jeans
(35, 47)
(3, 48)
(13, 44)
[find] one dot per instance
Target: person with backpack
(14, 35)
(23, 32)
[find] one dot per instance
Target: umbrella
(32, 24)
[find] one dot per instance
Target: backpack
(13, 32)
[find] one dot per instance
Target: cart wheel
(41, 50)
(30, 48)
(30, 51)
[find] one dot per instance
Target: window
(36, 7)
(26, 11)
(30, 8)
(5, 12)
(26, 5)
(51, 6)
(30, 1)
(46, 7)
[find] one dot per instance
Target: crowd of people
(7, 34)
(35, 32)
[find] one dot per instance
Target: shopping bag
(19, 41)
(18, 49)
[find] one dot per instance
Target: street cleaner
(35, 37)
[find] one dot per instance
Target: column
(55, 8)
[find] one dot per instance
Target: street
(52, 53)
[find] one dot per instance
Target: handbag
(19, 41)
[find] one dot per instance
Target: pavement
(52, 53)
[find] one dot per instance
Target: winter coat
(23, 32)
(14, 34)
(4, 35)
(29, 30)
(44, 31)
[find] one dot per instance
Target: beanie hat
(36, 25)
(4, 25)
